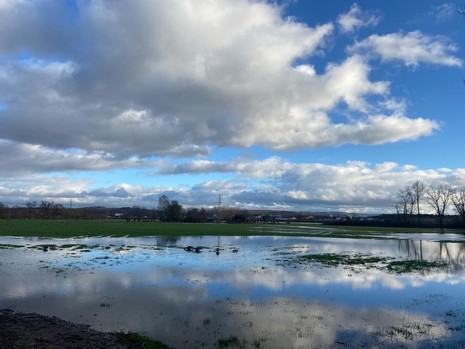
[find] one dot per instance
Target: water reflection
(154, 286)
(451, 253)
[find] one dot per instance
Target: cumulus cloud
(355, 19)
(177, 78)
(269, 183)
(275, 182)
(32, 158)
(98, 85)
(412, 48)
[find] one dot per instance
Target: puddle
(247, 292)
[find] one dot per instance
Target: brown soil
(20, 330)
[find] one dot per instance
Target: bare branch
(458, 199)
(439, 198)
(461, 9)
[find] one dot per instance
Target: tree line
(172, 211)
(440, 198)
(411, 204)
(166, 211)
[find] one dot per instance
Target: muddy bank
(21, 330)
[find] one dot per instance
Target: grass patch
(231, 342)
(409, 266)
(394, 266)
(119, 228)
(136, 341)
(51, 228)
(335, 259)
(9, 246)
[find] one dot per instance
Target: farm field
(76, 228)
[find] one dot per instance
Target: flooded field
(248, 292)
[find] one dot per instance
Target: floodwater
(246, 292)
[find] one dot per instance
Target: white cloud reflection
(152, 290)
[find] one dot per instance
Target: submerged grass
(9, 246)
(231, 342)
(394, 266)
(50, 228)
(335, 259)
(414, 265)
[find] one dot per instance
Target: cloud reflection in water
(154, 286)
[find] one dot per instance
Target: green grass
(74, 228)
(393, 266)
(231, 342)
(118, 228)
(414, 265)
(334, 259)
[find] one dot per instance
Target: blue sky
(296, 105)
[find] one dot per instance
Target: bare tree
(174, 212)
(458, 200)
(439, 198)
(163, 206)
(170, 211)
(405, 204)
(418, 191)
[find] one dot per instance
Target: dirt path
(20, 330)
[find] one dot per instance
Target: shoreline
(31, 330)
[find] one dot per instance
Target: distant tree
(174, 212)
(45, 208)
(31, 208)
(163, 202)
(3, 210)
(240, 217)
(170, 211)
(405, 205)
(458, 199)
(163, 205)
(226, 213)
(418, 190)
(57, 210)
(31, 204)
(136, 212)
(439, 198)
(193, 215)
(203, 215)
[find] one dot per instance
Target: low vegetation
(67, 228)
(368, 261)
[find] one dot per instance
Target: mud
(22, 330)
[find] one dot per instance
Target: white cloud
(117, 85)
(355, 186)
(178, 78)
(30, 158)
(443, 12)
(412, 48)
(356, 18)
(269, 183)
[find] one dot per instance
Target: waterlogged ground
(248, 292)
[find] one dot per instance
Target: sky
(287, 105)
